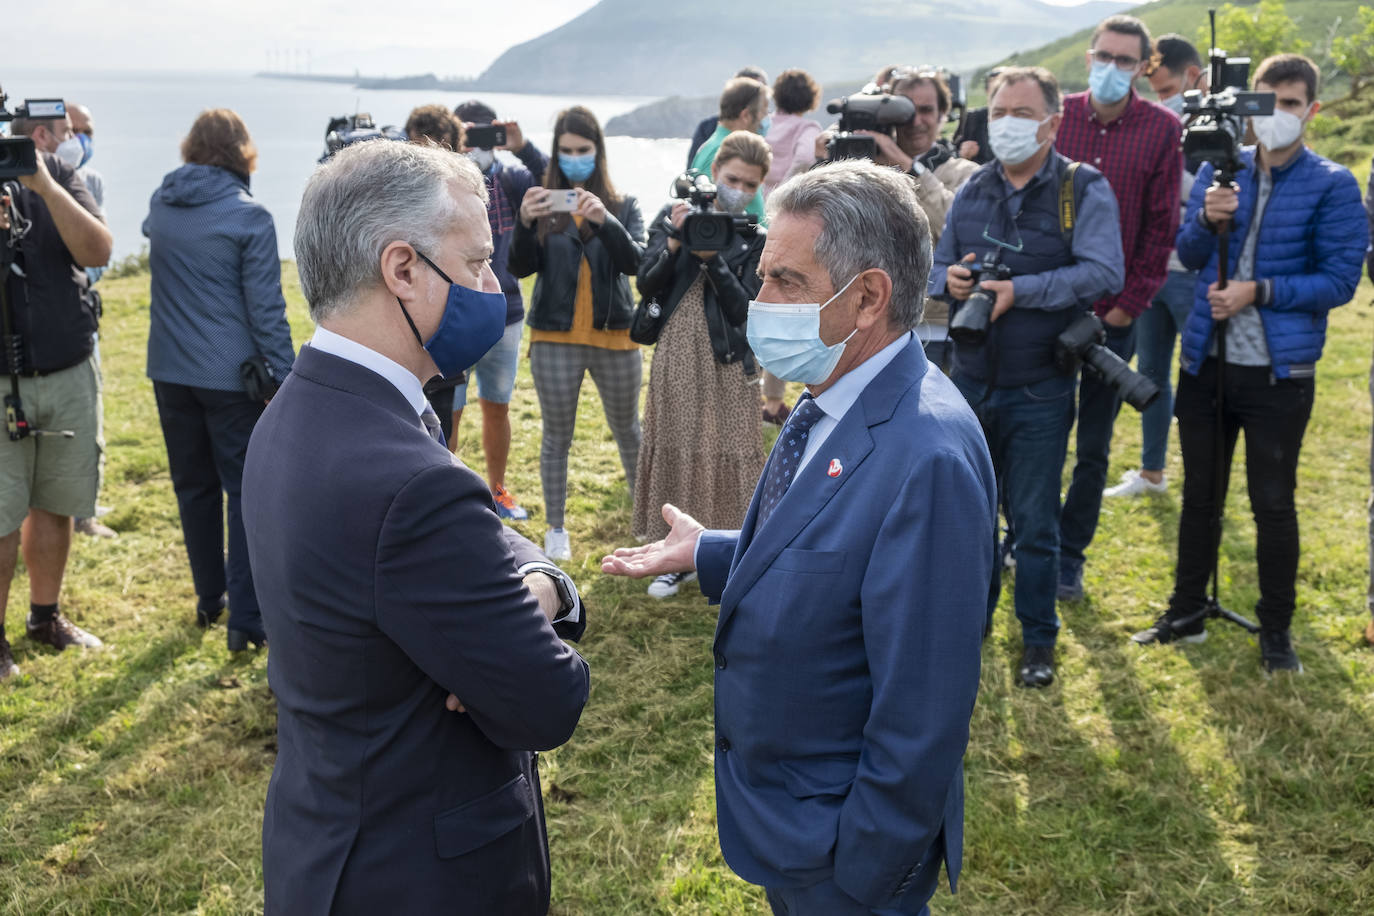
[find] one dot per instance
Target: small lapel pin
(835, 467)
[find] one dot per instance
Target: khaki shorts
(53, 473)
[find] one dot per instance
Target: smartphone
(485, 136)
(563, 201)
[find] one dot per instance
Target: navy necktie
(787, 455)
(431, 421)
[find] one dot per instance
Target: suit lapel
(849, 443)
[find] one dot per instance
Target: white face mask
(1280, 130)
(482, 158)
(70, 151)
(1014, 140)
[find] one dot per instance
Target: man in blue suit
(852, 602)
(389, 587)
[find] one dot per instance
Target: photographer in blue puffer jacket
(1298, 237)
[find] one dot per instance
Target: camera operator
(1135, 144)
(918, 149)
(1301, 237)
(1023, 399)
(46, 480)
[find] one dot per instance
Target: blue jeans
(1098, 405)
(1027, 429)
(1156, 332)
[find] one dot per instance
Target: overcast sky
(393, 37)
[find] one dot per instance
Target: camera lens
(970, 324)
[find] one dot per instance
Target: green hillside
(1065, 59)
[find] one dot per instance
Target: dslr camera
(17, 154)
(705, 228)
(870, 109)
(969, 326)
(346, 130)
(1081, 342)
(1214, 124)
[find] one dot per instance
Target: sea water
(141, 117)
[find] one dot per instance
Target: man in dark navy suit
(389, 587)
(852, 601)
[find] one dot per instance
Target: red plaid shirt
(1139, 153)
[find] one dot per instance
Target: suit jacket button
(723, 743)
(720, 660)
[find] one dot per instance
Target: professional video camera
(1081, 342)
(346, 130)
(705, 228)
(870, 109)
(17, 154)
(1214, 125)
(970, 323)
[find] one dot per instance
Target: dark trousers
(1098, 405)
(1027, 430)
(207, 433)
(1274, 414)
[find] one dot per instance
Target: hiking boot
(61, 633)
(1163, 630)
(1276, 651)
(506, 506)
(1037, 666)
(667, 585)
(7, 665)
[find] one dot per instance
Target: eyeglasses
(1122, 61)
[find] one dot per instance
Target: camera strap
(1068, 202)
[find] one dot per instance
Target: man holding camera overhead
(1014, 209)
(1298, 242)
(48, 477)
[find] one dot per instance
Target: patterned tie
(787, 453)
(431, 421)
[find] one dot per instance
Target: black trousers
(207, 434)
(1273, 413)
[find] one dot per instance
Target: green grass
(1143, 781)
(1065, 59)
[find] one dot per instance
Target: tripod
(1212, 608)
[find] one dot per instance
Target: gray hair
(870, 217)
(365, 197)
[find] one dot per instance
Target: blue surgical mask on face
(1109, 83)
(1174, 103)
(577, 168)
(473, 322)
(786, 338)
(764, 125)
(88, 145)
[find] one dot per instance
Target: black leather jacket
(612, 251)
(731, 281)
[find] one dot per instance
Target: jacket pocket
(474, 824)
(808, 777)
(793, 559)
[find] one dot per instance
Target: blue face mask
(786, 339)
(87, 148)
(472, 324)
(1109, 83)
(577, 168)
(764, 125)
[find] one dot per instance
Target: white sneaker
(667, 585)
(556, 544)
(1132, 484)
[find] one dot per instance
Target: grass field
(1142, 781)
